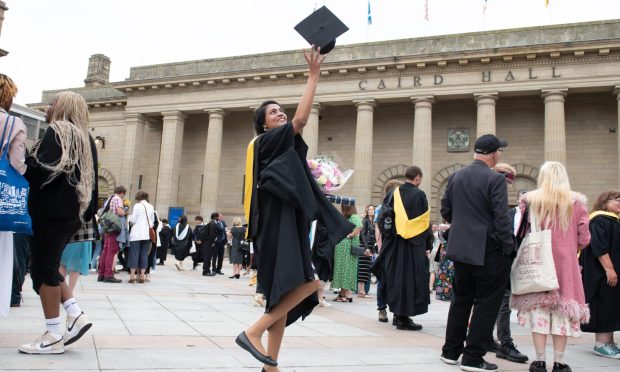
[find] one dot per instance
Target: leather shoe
(561, 367)
(219, 273)
(509, 352)
(100, 278)
(408, 325)
(538, 366)
(208, 274)
(243, 341)
(112, 280)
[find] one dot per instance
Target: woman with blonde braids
(62, 171)
(17, 151)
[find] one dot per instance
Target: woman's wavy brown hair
(601, 201)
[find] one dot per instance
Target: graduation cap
(321, 28)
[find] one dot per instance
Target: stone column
(213, 154)
(170, 160)
(485, 121)
(132, 152)
(555, 126)
(423, 139)
(311, 132)
(362, 178)
(617, 93)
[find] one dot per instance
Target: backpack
(386, 222)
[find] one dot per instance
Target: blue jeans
(380, 302)
(98, 246)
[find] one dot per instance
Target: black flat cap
(321, 28)
(488, 144)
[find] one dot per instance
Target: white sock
(599, 344)
(71, 307)
(541, 355)
(53, 327)
(558, 356)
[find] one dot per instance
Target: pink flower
(562, 331)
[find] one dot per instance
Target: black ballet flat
(243, 341)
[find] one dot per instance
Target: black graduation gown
(287, 199)
(405, 267)
(604, 301)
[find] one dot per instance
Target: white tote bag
(533, 270)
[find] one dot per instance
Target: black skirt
(363, 269)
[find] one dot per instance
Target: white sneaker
(259, 300)
(76, 327)
(45, 344)
(324, 304)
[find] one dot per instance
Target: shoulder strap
(5, 149)
(147, 216)
(106, 206)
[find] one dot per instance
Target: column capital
(216, 111)
(316, 107)
(617, 92)
(554, 95)
(488, 98)
(365, 103)
(422, 99)
(134, 116)
(180, 115)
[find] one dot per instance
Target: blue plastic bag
(14, 190)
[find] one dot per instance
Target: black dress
(367, 238)
(181, 246)
(284, 201)
(604, 300)
(238, 234)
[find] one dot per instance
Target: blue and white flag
(369, 15)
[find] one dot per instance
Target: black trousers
(208, 254)
(503, 320)
(480, 287)
(218, 256)
(21, 258)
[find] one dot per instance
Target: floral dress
(444, 277)
(345, 265)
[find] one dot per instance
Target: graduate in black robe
(405, 266)
(601, 263)
(281, 200)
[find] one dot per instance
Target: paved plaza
(183, 321)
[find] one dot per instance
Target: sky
(50, 41)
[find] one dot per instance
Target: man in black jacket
(480, 244)
(207, 239)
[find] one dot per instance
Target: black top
(57, 199)
(367, 235)
(476, 205)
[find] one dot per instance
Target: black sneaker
(538, 366)
(449, 359)
(560, 367)
(509, 352)
(481, 367)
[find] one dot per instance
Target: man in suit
(207, 238)
(480, 244)
(220, 244)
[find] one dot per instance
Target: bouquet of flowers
(327, 174)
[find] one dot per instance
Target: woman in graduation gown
(601, 263)
(281, 200)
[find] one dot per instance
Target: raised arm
(314, 60)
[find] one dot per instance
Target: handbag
(14, 190)
(152, 234)
(357, 250)
(192, 249)
(533, 269)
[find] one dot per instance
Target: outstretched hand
(314, 59)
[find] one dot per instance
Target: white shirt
(139, 223)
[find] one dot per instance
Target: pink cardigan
(569, 300)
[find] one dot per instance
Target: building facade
(180, 130)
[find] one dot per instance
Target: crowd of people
(296, 241)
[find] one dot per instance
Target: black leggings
(50, 236)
